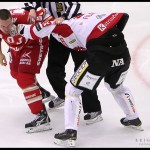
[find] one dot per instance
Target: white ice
(14, 112)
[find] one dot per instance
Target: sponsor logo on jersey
(15, 48)
(26, 55)
(25, 59)
(100, 16)
(41, 52)
(63, 42)
(103, 26)
(72, 41)
(86, 16)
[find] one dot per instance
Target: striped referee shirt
(66, 10)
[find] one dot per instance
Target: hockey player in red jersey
(26, 59)
(108, 57)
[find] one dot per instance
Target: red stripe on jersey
(64, 30)
(103, 26)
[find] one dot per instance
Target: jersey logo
(26, 55)
(104, 25)
(118, 62)
(101, 27)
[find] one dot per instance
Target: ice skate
(135, 123)
(46, 96)
(39, 124)
(93, 117)
(66, 138)
(57, 102)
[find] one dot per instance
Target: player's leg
(58, 56)
(90, 101)
(123, 96)
(73, 105)
(33, 98)
(35, 55)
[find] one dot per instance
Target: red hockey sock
(34, 99)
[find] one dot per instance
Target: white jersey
(76, 32)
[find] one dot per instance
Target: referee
(58, 56)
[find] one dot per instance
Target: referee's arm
(72, 10)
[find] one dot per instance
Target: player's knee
(72, 91)
(25, 80)
(119, 89)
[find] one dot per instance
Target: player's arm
(39, 30)
(3, 60)
(35, 31)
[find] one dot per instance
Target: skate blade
(135, 127)
(91, 121)
(41, 128)
(48, 99)
(65, 143)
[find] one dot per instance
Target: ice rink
(14, 112)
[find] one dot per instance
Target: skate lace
(36, 118)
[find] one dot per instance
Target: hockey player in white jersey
(108, 57)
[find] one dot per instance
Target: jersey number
(11, 40)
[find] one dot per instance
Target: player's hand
(58, 21)
(3, 60)
(13, 30)
(32, 16)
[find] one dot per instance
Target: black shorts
(101, 64)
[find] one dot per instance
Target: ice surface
(14, 112)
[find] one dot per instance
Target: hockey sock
(34, 99)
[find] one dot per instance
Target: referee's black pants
(58, 56)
